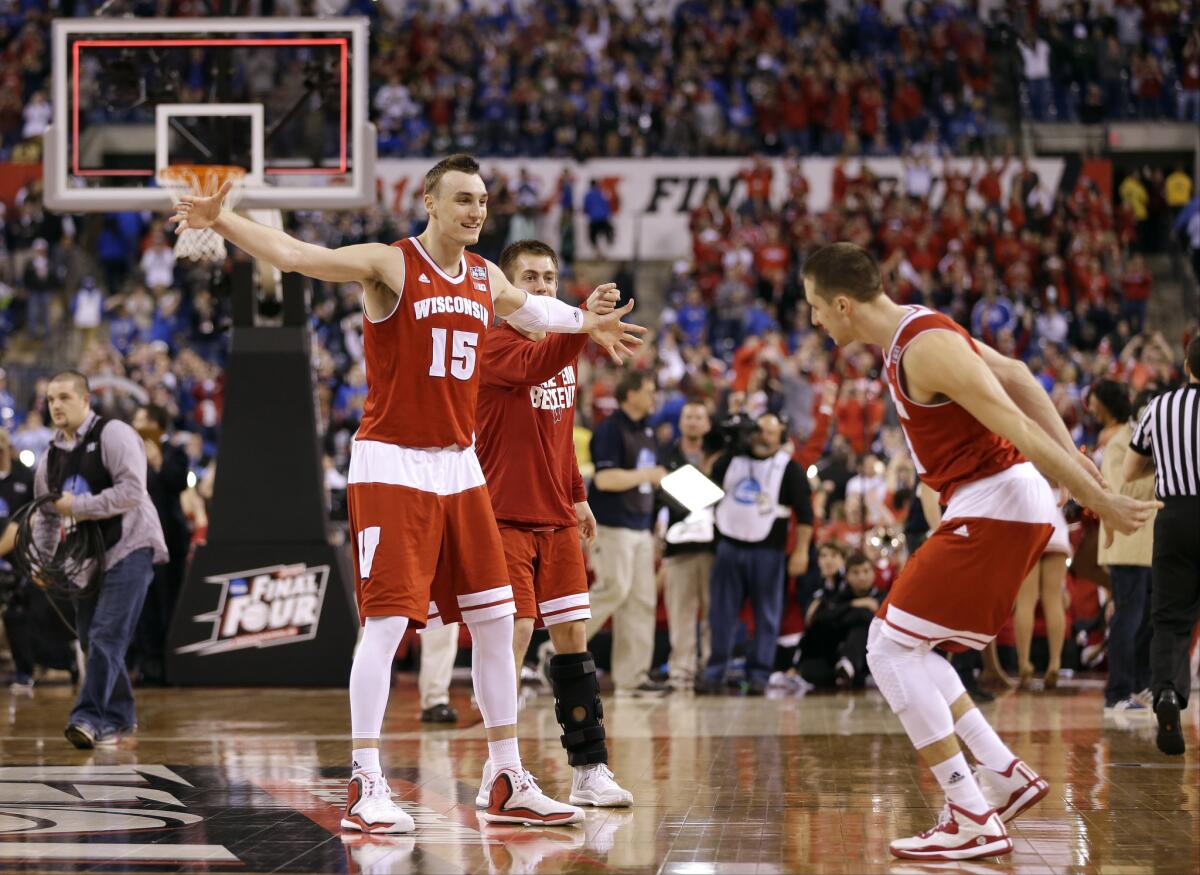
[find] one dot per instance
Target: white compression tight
(914, 692)
(493, 671)
(371, 674)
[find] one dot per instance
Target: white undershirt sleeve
(544, 313)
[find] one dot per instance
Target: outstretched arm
(364, 262)
(940, 362)
(543, 313)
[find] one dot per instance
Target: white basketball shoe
(369, 806)
(595, 785)
(958, 835)
(514, 797)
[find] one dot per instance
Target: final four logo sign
(263, 607)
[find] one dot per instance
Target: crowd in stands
(1059, 281)
(585, 80)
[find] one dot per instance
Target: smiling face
(535, 274)
(458, 204)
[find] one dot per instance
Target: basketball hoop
(205, 180)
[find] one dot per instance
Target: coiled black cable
(75, 567)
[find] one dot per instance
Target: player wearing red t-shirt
(428, 547)
(970, 417)
(526, 446)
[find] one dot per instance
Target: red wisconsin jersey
(526, 423)
(421, 361)
(949, 446)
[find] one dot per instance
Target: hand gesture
(609, 332)
(1121, 513)
(603, 298)
(196, 212)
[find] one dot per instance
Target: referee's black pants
(1175, 595)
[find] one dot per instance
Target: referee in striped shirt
(1168, 438)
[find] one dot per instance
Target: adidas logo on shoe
(956, 777)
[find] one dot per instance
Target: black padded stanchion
(268, 600)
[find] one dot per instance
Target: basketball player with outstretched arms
(526, 446)
(972, 418)
(428, 550)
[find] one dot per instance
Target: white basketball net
(204, 180)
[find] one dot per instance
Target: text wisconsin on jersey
(436, 304)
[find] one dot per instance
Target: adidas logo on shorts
(962, 530)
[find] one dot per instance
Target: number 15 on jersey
(462, 354)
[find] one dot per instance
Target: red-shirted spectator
(1135, 292)
(773, 257)
(989, 185)
(757, 179)
(870, 102)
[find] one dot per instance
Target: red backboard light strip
(199, 43)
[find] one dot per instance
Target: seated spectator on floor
(833, 651)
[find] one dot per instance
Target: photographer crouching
(97, 468)
(764, 487)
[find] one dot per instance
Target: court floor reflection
(253, 780)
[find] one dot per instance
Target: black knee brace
(577, 707)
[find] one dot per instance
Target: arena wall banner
(653, 197)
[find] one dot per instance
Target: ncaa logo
(76, 485)
(747, 491)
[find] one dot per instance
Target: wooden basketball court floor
(227, 780)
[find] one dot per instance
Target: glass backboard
(285, 98)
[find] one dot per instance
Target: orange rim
(205, 178)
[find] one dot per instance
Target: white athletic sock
(983, 742)
(365, 759)
(955, 777)
(371, 674)
(504, 754)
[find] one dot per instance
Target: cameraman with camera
(764, 487)
(97, 468)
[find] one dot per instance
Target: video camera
(731, 435)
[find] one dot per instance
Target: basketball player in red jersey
(428, 549)
(526, 423)
(971, 418)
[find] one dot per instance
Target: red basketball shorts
(427, 544)
(958, 589)
(547, 573)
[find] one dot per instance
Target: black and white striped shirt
(1170, 432)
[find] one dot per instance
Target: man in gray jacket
(98, 466)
